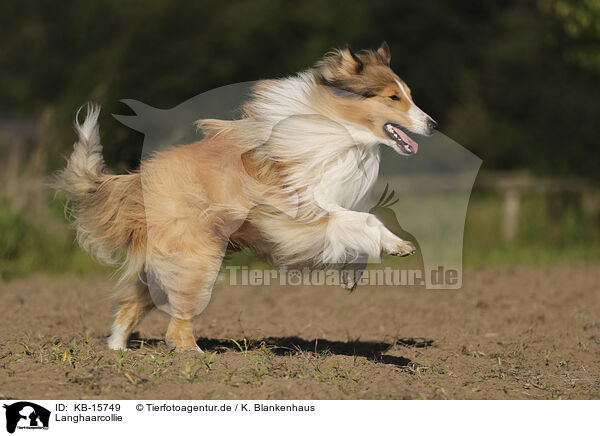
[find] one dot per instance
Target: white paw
(117, 344)
(347, 281)
(402, 249)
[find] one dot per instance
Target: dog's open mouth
(404, 144)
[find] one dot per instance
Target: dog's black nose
(432, 125)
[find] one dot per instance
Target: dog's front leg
(392, 244)
(361, 232)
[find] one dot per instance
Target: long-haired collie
(288, 179)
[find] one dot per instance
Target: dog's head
(366, 91)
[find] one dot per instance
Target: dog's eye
(394, 97)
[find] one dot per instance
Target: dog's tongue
(413, 145)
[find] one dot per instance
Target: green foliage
(581, 22)
(497, 76)
(38, 243)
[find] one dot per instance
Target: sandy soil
(509, 333)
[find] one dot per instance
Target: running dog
(289, 179)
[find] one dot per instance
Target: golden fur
(251, 182)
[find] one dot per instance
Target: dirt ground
(509, 333)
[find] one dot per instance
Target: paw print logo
(386, 214)
(294, 277)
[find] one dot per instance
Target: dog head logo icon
(26, 415)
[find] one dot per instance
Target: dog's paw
(183, 346)
(117, 344)
(117, 341)
(348, 281)
(402, 249)
(190, 349)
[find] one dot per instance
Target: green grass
(88, 358)
(552, 230)
(38, 238)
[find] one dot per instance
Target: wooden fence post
(510, 223)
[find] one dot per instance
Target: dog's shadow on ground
(283, 346)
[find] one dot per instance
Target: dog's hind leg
(180, 335)
(187, 301)
(187, 277)
(134, 304)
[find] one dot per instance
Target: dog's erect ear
(385, 53)
(339, 66)
(350, 61)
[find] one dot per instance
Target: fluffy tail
(107, 210)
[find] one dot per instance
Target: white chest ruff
(347, 182)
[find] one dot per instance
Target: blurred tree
(490, 72)
(581, 21)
